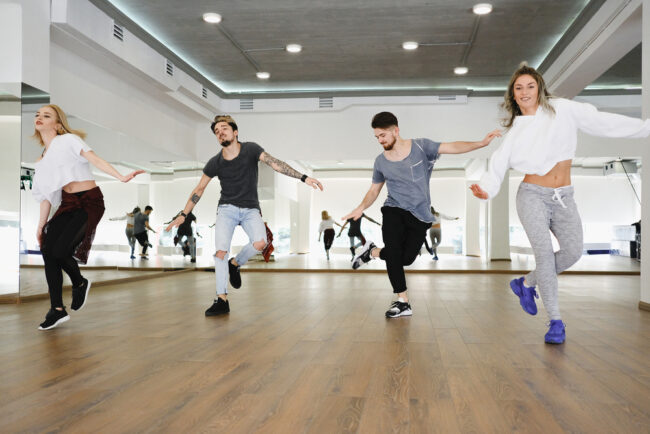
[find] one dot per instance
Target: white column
(499, 224)
(300, 211)
(471, 240)
(644, 301)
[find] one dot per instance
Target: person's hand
(314, 183)
(491, 135)
(39, 234)
(457, 218)
(130, 176)
(478, 191)
(338, 235)
(175, 223)
(355, 215)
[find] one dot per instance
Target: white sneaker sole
(408, 312)
(60, 321)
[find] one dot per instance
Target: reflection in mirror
(9, 194)
(32, 282)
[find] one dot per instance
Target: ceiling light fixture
(212, 18)
(263, 75)
(410, 45)
(294, 48)
(460, 70)
(482, 8)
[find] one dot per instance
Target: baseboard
(501, 260)
(644, 306)
(9, 299)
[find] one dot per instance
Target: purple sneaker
(526, 295)
(556, 333)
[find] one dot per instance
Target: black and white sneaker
(80, 295)
(54, 318)
(234, 275)
(219, 307)
(399, 308)
(365, 256)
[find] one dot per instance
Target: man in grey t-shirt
(405, 167)
(140, 228)
(236, 167)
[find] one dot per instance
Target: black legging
(143, 239)
(63, 234)
(328, 238)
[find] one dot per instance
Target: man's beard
(226, 143)
(389, 146)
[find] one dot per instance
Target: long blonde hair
(63, 120)
(509, 104)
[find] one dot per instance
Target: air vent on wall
(246, 104)
(326, 102)
(447, 98)
(204, 92)
(118, 32)
(169, 68)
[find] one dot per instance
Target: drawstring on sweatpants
(558, 197)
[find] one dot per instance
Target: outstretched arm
(195, 196)
(368, 200)
(106, 167)
(373, 220)
(342, 227)
(283, 168)
(462, 147)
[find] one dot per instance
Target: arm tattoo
(281, 167)
(195, 198)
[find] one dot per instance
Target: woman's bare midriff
(558, 176)
(77, 186)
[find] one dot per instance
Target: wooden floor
(314, 353)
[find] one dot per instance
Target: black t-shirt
(355, 226)
(185, 228)
(238, 176)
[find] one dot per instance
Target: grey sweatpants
(541, 209)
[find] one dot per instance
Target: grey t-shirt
(138, 222)
(238, 176)
(407, 180)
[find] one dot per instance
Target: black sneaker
(54, 318)
(364, 257)
(399, 308)
(219, 307)
(235, 276)
(80, 295)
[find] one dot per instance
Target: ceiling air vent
(246, 104)
(169, 68)
(447, 98)
(118, 32)
(326, 102)
(204, 92)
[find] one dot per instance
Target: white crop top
(61, 165)
(534, 144)
(326, 224)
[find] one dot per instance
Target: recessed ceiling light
(460, 70)
(294, 48)
(410, 45)
(482, 8)
(263, 75)
(212, 18)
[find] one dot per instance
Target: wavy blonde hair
(63, 120)
(324, 215)
(509, 104)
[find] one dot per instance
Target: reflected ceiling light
(212, 18)
(460, 70)
(294, 48)
(410, 45)
(482, 8)
(263, 75)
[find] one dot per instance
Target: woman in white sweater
(327, 225)
(63, 179)
(541, 142)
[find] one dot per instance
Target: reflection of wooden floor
(340, 262)
(306, 352)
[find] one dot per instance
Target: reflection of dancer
(236, 167)
(129, 217)
(405, 166)
(541, 142)
(435, 232)
(354, 232)
(185, 230)
(327, 225)
(63, 178)
(140, 228)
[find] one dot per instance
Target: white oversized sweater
(534, 144)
